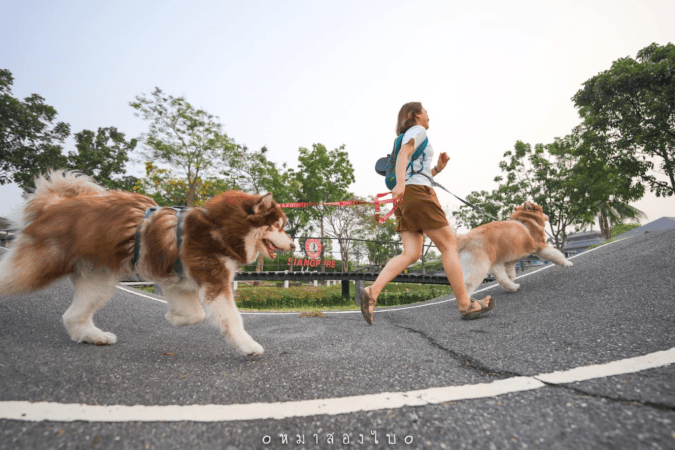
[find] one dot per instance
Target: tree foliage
(343, 224)
(169, 189)
(379, 235)
(631, 106)
(544, 175)
(30, 141)
(102, 155)
(183, 136)
(323, 176)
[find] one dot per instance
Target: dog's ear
(264, 203)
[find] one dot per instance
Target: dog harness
(180, 211)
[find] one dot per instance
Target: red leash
(377, 203)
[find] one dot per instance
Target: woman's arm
(401, 163)
(443, 159)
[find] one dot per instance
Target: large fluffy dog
(496, 247)
(72, 226)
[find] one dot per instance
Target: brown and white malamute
(496, 247)
(72, 226)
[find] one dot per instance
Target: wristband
(437, 171)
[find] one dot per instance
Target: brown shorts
(420, 210)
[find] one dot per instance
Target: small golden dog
(73, 227)
(496, 247)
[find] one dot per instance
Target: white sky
(287, 74)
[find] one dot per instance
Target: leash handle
(396, 203)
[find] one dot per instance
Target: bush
(622, 228)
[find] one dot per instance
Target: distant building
(579, 242)
(661, 224)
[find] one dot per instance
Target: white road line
(623, 366)
(131, 291)
(57, 412)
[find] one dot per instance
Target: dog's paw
(97, 337)
(513, 288)
(568, 263)
(251, 348)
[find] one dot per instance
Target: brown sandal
(367, 305)
(467, 314)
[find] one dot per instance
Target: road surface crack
(655, 405)
(472, 363)
(464, 360)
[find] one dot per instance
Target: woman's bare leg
(446, 242)
(412, 249)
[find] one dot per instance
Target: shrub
(327, 297)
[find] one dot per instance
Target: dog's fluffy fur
(496, 247)
(72, 226)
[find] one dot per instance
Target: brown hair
(406, 116)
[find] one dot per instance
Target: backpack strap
(419, 151)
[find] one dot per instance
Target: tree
(324, 176)
(632, 107)
(250, 171)
(102, 155)
(343, 224)
(608, 191)
(30, 141)
(493, 206)
(378, 236)
(168, 189)
(184, 137)
(545, 175)
(615, 212)
(30, 145)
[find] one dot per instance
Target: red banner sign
(313, 248)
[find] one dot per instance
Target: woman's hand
(443, 159)
(398, 190)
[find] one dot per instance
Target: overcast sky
(287, 74)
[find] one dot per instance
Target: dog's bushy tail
(53, 186)
(13, 281)
(28, 265)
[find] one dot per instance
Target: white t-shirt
(418, 133)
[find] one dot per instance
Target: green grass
(308, 299)
(622, 228)
(600, 244)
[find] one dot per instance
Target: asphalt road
(616, 303)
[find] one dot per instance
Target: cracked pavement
(615, 303)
